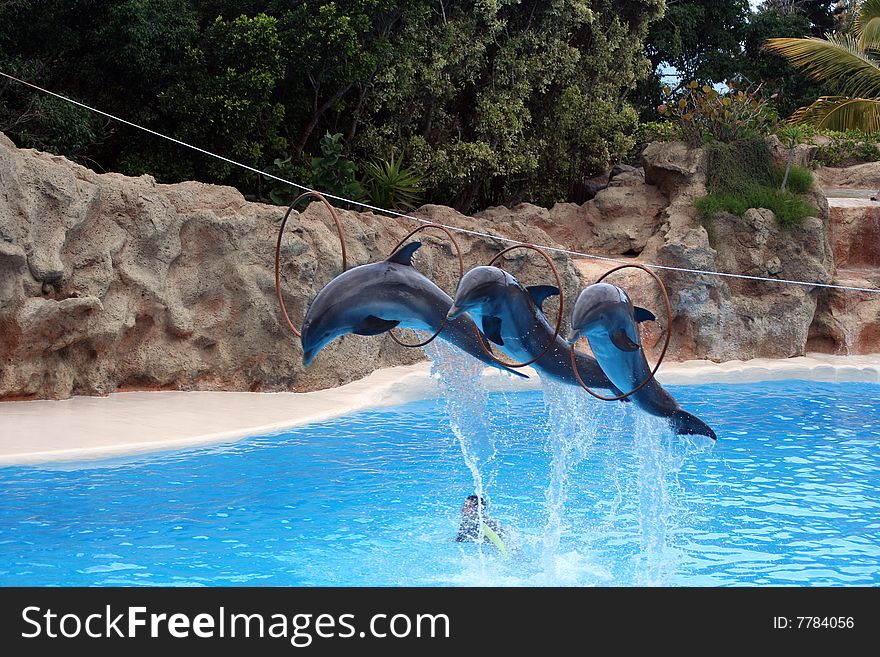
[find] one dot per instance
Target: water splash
(663, 507)
(640, 454)
(467, 399)
(460, 379)
(574, 420)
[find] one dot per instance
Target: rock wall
(647, 216)
(113, 283)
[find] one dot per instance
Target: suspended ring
(552, 340)
(460, 274)
(339, 231)
(665, 342)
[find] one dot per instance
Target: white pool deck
(86, 428)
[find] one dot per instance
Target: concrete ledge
(85, 428)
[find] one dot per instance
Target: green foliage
(389, 184)
(847, 64)
(282, 193)
(664, 131)
(741, 176)
(734, 166)
(800, 179)
(791, 87)
(502, 101)
(789, 209)
(847, 148)
(334, 174)
(791, 134)
(496, 102)
(223, 99)
(111, 54)
(698, 39)
(716, 40)
(703, 113)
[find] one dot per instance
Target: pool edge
(133, 423)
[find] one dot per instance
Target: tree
(822, 14)
(776, 76)
(846, 62)
(224, 98)
(700, 39)
(497, 101)
(694, 40)
(506, 101)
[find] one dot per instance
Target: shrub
(703, 113)
(389, 184)
(281, 193)
(664, 131)
(736, 166)
(847, 148)
(800, 179)
(332, 173)
(741, 176)
(789, 209)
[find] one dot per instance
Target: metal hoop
(339, 231)
(665, 343)
(460, 274)
(558, 317)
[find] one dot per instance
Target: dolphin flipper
(372, 325)
(492, 329)
(623, 342)
(686, 424)
(643, 315)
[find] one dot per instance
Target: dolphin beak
(308, 357)
(455, 312)
(573, 336)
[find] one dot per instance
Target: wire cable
(464, 231)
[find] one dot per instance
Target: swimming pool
(590, 494)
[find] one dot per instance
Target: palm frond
(841, 113)
(867, 25)
(835, 59)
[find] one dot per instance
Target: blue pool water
(589, 494)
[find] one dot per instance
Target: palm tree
(849, 62)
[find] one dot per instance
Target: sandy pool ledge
(86, 428)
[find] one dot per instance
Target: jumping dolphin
(374, 298)
(511, 317)
(605, 315)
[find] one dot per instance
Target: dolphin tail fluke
(686, 424)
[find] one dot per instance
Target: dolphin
(605, 315)
(511, 317)
(374, 298)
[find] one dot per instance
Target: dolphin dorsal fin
(622, 341)
(539, 293)
(643, 315)
(403, 255)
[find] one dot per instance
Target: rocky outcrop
(723, 318)
(801, 157)
(618, 220)
(848, 321)
(858, 176)
(113, 283)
